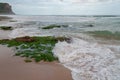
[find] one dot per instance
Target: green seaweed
(6, 28)
(54, 26)
(39, 49)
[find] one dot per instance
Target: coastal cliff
(5, 8)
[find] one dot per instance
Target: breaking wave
(88, 61)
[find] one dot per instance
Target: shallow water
(76, 24)
(87, 57)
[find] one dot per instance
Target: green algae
(38, 49)
(6, 28)
(54, 26)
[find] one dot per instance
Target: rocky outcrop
(5, 8)
(25, 39)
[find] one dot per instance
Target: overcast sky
(65, 7)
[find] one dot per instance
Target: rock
(6, 28)
(91, 25)
(54, 26)
(68, 40)
(25, 39)
(5, 8)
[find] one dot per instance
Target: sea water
(88, 61)
(84, 55)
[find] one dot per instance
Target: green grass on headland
(6, 28)
(34, 48)
(54, 26)
(106, 34)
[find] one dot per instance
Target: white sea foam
(21, 32)
(29, 31)
(88, 61)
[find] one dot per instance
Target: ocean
(88, 57)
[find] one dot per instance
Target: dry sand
(14, 68)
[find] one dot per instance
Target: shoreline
(14, 68)
(99, 47)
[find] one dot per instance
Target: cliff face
(5, 8)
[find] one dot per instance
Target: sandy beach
(93, 52)
(14, 68)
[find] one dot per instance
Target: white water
(88, 61)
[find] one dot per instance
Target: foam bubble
(88, 61)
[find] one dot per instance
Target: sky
(65, 7)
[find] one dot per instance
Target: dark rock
(54, 26)
(25, 39)
(91, 25)
(64, 25)
(68, 40)
(5, 8)
(6, 28)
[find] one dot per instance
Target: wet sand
(14, 68)
(4, 34)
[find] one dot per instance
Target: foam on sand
(88, 61)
